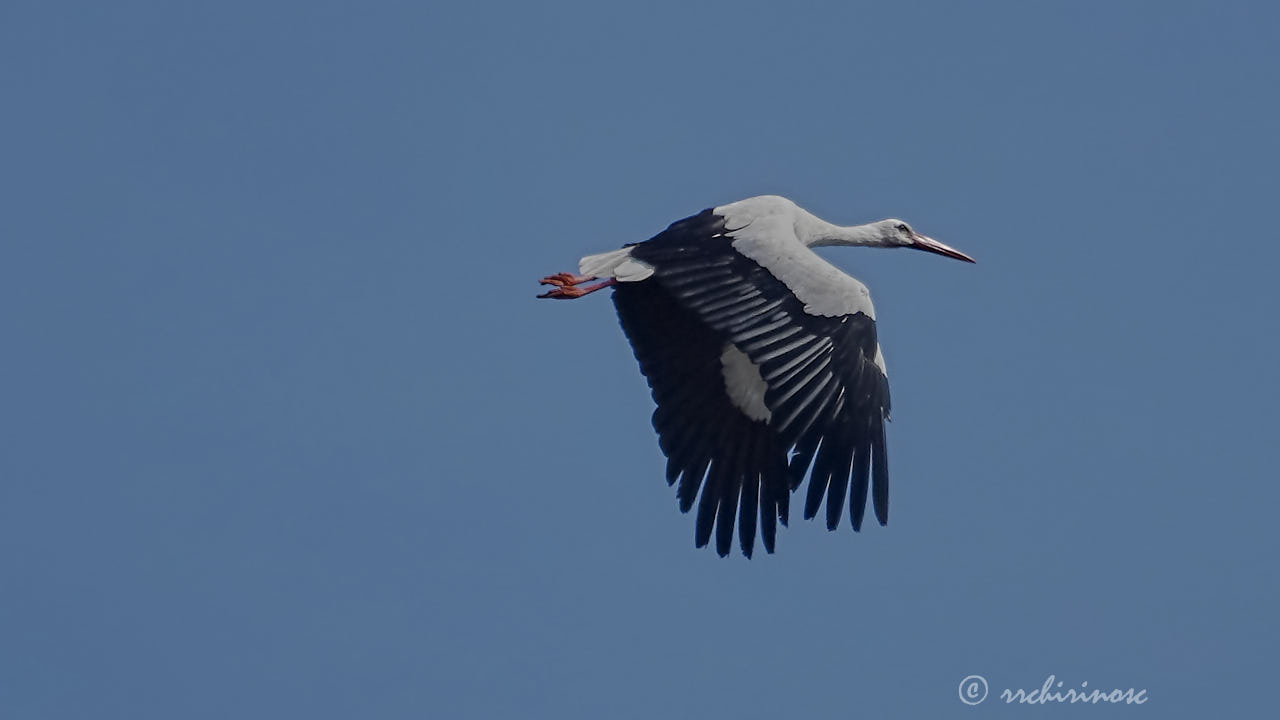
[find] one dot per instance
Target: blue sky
(286, 433)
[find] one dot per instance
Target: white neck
(816, 232)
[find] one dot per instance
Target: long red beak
(924, 242)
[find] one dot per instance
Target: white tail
(615, 264)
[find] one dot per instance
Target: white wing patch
(743, 383)
(880, 361)
(823, 288)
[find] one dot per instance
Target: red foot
(571, 292)
(565, 279)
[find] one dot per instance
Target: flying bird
(763, 361)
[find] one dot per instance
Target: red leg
(565, 279)
(571, 292)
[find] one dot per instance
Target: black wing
(828, 400)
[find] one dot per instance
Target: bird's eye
(902, 227)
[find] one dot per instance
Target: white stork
(762, 358)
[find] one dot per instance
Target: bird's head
(897, 233)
